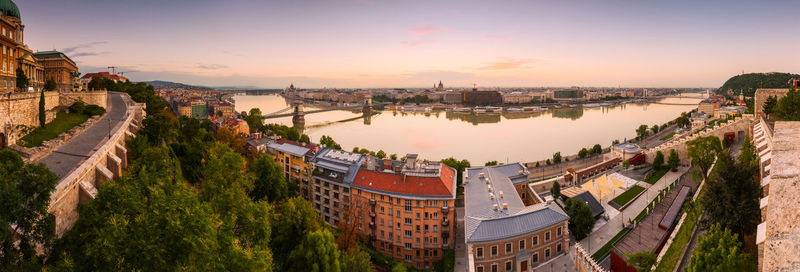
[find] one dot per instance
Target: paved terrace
(605, 233)
(69, 156)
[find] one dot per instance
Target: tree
(683, 120)
(50, 85)
(703, 151)
(581, 221)
(380, 154)
(641, 132)
(491, 163)
(158, 127)
(24, 198)
(22, 79)
(555, 190)
(537, 164)
(459, 166)
(399, 267)
(731, 197)
(788, 107)
(658, 161)
(769, 105)
(548, 162)
(256, 120)
(719, 250)
(557, 158)
(642, 261)
(316, 253)
(231, 138)
(582, 154)
(654, 129)
(351, 218)
(293, 219)
(328, 142)
(356, 260)
(269, 183)
(673, 161)
(42, 113)
(393, 157)
(597, 149)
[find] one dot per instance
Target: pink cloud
(506, 63)
(495, 38)
(425, 29)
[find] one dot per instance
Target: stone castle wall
(761, 96)
(90, 98)
(23, 109)
(739, 124)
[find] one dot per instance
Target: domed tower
(12, 43)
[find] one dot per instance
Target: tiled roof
(589, 199)
(396, 183)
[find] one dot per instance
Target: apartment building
(295, 160)
(406, 208)
(503, 232)
(331, 181)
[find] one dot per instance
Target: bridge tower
(299, 115)
(367, 105)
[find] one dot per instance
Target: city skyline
(373, 44)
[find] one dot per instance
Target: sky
(372, 43)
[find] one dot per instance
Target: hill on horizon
(748, 83)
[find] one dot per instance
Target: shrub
(93, 110)
(77, 107)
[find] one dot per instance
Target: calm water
(479, 138)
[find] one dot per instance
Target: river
(507, 137)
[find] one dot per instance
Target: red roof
(410, 185)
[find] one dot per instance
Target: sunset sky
(371, 43)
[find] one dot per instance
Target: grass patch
(675, 249)
(604, 251)
(628, 195)
(63, 122)
(652, 179)
(666, 137)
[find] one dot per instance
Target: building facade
(331, 184)
(59, 68)
(294, 158)
(502, 232)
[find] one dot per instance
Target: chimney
(387, 164)
(494, 207)
(501, 194)
(505, 206)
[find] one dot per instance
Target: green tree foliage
(582, 154)
(459, 166)
(597, 149)
(658, 161)
(393, 157)
(748, 83)
(22, 79)
(399, 267)
(158, 127)
(732, 195)
(316, 253)
(642, 132)
(788, 107)
(769, 105)
(269, 181)
(642, 261)
(328, 142)
(380, 154)
(719, 250)
(654, 129)
(50, 85)
(356, 260)
(294, 218)
(673, 161)
(581, 221)
(548, 162)
(42, 113)
(703, 151)
(555, 190)
(557, 158)
(255, 120)
(491, 163)
(285, 132)
(24, 198)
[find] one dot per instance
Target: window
(408, 258)
(479, 252)
(408, 221)
(535, 240)
(547, 236)
(508, 248)
(480, 269)
(558, 232)
(508, 265)
(521, 244)
(408, 233)
(417, 216)
(494, 267)
(381, 209)
(408, 245)
(445, 204)
(558, 248)
(435, 228)
(408, 205)
(547, 253)
(398, 213)
(494, 251)
(535, 257)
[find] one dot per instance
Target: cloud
(213, 66)
(416, 43)
(425, 30)
(497, 38)
(506, 63)
(84, 54)
(68, 50)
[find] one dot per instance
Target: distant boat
(572, 106)
(513, 109)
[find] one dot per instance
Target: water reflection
(568, 113)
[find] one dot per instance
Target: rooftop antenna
(113, 69)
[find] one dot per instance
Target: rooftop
(494, 210)
(337, 165)
(442, 184)
(295, 150)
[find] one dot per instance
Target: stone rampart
(99, 98)
(18, 110)
(106, 163)
(738, 125)
(761, 95)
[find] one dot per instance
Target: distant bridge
(279, 114)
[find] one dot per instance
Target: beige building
(503, 232)
(59, 68)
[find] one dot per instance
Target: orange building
(15, 53)
(58, 67)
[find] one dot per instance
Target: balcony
(372, 225)
(372, 202)
(445, 222)
(372, 237)
(445, 234)
(372, 214)
(445, 210)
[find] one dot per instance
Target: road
(69, 156)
